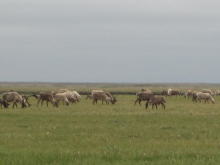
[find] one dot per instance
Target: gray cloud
(115, 41)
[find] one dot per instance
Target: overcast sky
(121, 41)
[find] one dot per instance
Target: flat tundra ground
(184, 133)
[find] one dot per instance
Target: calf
(157, 101)
(89, 97)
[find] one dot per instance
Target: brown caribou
(48, 97)
(143, 96)
(104, 97)
(157, 100)
(27, 97)
(172, 92)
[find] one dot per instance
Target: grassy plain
(184, 133)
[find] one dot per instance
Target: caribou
(27, 97)
(143, 96)
(188, 93)
(96, 90)
(13, 97)
(145, 90)
(61, 97)
(164, 93)
(89, 97)
(171, 92)
(205, 96)
(207, 91)
(217, 92)
(71, 98)
(157, 100)
(75, 94)
(194, 96)
(48, 97)
(104, 97)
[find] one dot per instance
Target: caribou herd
(66, 97)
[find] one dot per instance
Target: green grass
(184, 133)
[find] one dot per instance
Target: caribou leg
(38, 102)
(13, 104)
(93, 101)
(28, 103)
(146, 105)
(163, 105)
(139, 102)
(135, 102)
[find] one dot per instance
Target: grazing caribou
(172, 92)
(157, 100)
(48, 97)
(27, 97)
(188, 93)
(96, 91)
(61, 97)
(207, 91)
(71, 97)
(75, 94)
(205, 96)
(104, 97)
(13, 97)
